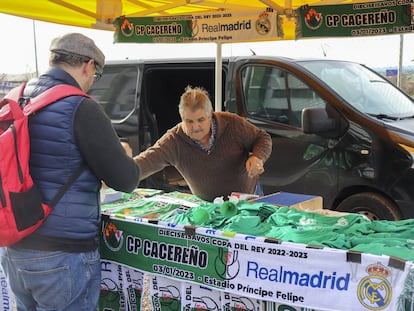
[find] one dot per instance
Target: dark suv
(339, 130)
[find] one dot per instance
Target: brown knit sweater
(218, 173)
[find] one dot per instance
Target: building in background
(407, 77)
(8, 81)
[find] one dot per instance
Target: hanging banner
(263, 269)
(6, 296)
(224, 27)
(121, 288)
(358, 19)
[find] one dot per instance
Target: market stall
(200, 256)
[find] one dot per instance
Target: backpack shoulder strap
(66, 186)
(50, 96)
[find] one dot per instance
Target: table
(198, 268)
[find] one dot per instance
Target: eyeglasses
(97, 74)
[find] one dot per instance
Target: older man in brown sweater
(216, 152)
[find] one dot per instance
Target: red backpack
(22, 210)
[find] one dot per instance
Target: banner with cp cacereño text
(356, 19)
(224, 27)
(268, 270)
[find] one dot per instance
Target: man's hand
(127, 148)
(254, 166)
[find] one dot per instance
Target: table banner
(6, 298)
(166, 293)
(263, 269)
(199, 297)
(121, 287)
(169, 294)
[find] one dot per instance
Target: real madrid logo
(313, 19)
(374, 290)
(127, 28)
(112, 237)
(263, 24)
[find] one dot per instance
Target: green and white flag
(224, 27)
(358, 19)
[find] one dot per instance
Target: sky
(25, 47)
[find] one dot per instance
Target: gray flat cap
(78, 44)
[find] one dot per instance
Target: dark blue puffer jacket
(55, 157)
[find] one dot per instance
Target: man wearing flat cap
(58, 266)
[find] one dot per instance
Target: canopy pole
(219, 91)
(400, 62)
(35, 47)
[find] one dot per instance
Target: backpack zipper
(2, 196)
(16, 150)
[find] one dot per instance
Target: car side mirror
(315, 120)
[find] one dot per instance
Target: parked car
(339, 129)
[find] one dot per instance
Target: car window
(276, 95)
(116, 91)
(363, 88)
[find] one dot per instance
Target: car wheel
(373, 205)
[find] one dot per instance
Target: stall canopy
(101, 14)
(175, 21)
